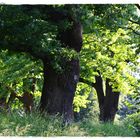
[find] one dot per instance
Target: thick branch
(25, 49)
(134, 21)
(86, 82)
(98, 87)
(138, 6)
(135, 32)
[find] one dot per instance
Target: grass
(34, 124)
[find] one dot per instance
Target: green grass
(36, 125)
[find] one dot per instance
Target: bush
(129, 105)
(133, 121)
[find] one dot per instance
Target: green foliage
(30, 32)
(130, 105)
(110, 53)
(59, 56)
(3, 92)
(133, 121)
(81, 99)
(105, 49)
(14, 69)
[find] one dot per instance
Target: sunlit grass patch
(34, 124)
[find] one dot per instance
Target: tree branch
(138, 6)
(86, 82)
(134, 21)
(135, 32)
(25, 49)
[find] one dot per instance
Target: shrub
(133, 121)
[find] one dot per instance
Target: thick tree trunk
(108, 104)
(59, 89)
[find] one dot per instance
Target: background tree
(114, 54)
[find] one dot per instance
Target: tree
(111, 62)
(37, 30)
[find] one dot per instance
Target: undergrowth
(15, 124)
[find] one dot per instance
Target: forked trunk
(108, 103)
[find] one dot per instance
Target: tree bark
(100, 94)
(108, 103)
(59, 90)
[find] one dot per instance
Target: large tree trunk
(59, 88)
(108, 103)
